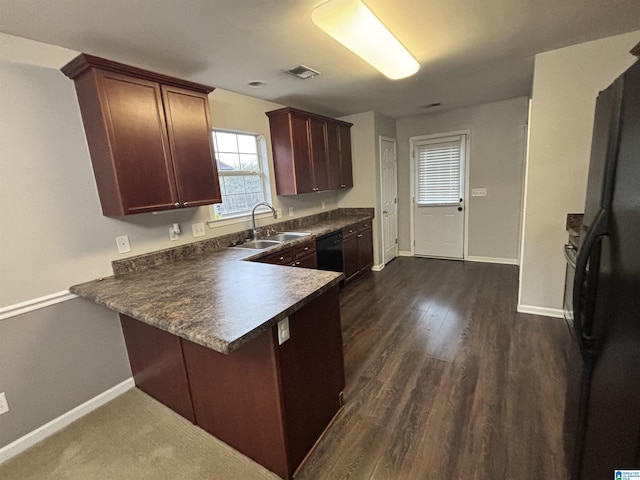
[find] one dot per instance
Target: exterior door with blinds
(439, 166)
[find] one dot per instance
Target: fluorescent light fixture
(352, 24)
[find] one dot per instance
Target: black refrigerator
(602, 412)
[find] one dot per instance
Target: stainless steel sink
(288, 236)
(273, 240)
(259, 244)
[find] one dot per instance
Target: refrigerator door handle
(597, 230)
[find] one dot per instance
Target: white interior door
(389, 194)
(439, 166)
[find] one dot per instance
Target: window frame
(264, 174)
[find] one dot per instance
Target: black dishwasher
(329, 251)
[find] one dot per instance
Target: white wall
(496, 163)
(363, 193)
(565, 86)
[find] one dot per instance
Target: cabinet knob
(296, 264)
(360, 236)
(343, 186)
(177, 205)
(185, 204)
(306, 248)
(280, 258)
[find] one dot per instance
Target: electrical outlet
(123, 244)
(283, 330)
(478, 192)
(291, 211)
(4, 406)
(322, 206)
(279, 212)
(198, 229)
(173, 236)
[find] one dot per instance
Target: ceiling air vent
(302, 72)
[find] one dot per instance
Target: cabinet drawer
(306, 248)
(283, 257)
(364, 225)
(350, 231)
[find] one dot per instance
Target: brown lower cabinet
(357, 249)
(301, 255)
(270, 402)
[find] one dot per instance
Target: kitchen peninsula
(202, 324)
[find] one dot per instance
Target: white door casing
(438, 209)
(389, 198)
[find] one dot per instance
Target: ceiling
(470, 51)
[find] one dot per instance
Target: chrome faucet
(253, 216)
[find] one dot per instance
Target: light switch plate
(478, 192)
(198, 229)
(123, 244)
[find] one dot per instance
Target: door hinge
(395, 200)
(396, 241)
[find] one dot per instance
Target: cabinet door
(301, 153)
(346, 174)
(318, 154)
(137, 135)
(365, 249)
(350, 258)
(189, 128)
(333, 156)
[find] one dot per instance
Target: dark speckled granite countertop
(212, 297)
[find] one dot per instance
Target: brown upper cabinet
(149, 137)
(311, 153)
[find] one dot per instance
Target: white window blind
(438, 171)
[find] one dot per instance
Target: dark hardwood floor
(445, 379)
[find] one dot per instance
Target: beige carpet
(132, 437)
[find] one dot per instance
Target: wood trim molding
(35, 304)
(542, 311)
(84, 62)
(504, 261)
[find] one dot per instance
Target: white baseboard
(57, 424)
(544, 311)
(377, 268)
(404, 253)
(505, 261)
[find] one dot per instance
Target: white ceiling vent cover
(303, 72)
